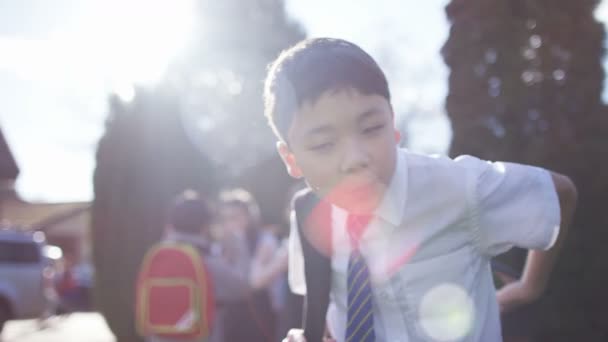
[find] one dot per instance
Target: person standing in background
(252, 319)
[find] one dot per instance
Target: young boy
(404, 251)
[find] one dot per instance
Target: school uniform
(428, 248)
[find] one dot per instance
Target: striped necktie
(360, 318)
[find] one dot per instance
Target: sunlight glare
(140, 38)
(125, 91)
(53, 252)
(446, 313)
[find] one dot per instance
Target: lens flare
(446, 313)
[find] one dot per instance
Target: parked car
(26, 276)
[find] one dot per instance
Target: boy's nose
(355, 158)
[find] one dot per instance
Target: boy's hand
(514, 295)
(295, 335)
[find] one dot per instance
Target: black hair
(312, 67)
(190, 213)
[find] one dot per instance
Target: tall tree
(156, 145)
(221, 80)
(143, 160)
(222, 77)
(525, 86)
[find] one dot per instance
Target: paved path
(79, 327)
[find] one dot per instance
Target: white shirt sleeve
(295, 274)
(513, 205)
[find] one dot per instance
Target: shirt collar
(392, 206)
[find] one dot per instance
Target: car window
(19, 252)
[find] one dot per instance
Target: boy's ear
(289, 160)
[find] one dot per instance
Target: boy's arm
(540, 263)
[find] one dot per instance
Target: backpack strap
(314, 227)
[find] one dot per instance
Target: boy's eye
(373, 129)
(322, 147)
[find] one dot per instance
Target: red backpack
(174, 295)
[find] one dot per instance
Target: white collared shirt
(430, 243)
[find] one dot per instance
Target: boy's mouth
(360, 191)
(355, 196)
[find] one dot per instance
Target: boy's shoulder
(306, 202)
(429, 162)
(302, 193)
(426, 172)
(302, 198)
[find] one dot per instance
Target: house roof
(8, 167)
(39, 215)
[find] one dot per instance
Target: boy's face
(344, 145)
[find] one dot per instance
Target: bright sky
(58, 62)
(59, 59)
